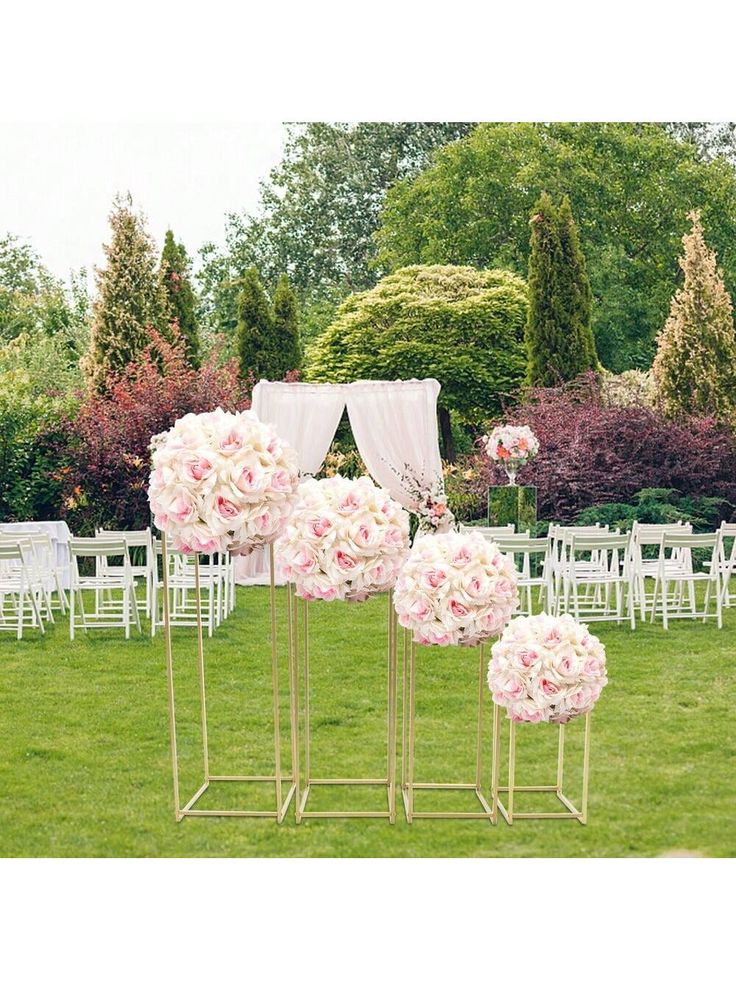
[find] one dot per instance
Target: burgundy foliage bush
(594, 454)
(105, 474)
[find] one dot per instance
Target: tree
(130, 297)
(255, 333)
(630, 187)
(320, 207)
(286, 326)
(558, 335)
(695, 366)
(31, 299)
(174, 273)
(460, 325)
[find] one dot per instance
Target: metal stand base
(510, 815)
(388, 781)
(408, 784)
(278, 779)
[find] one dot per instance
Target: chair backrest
(11, 551)
(523, 545)
(586, 542)
(673, 539)
(132, 538)
(99, 547)
(488, 530)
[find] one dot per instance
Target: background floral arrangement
(547, 669)
(511, 443)
(221, 481)
(455, 589)
(346, 539)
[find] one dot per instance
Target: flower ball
(221, 481)
(508, 444)
(547, 669)
(345, 539)
(456, 589)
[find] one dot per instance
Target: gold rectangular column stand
(389, 780)
(510, 815)
(408, 731)
(278, 779)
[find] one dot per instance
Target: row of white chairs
(598, 574)
(122, 572)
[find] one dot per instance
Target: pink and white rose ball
(221, 481)
(547, 669)
(345, 539)
(455, 589)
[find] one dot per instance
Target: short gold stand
(510, 815)
(408, 784)
(189, 810)
(389, 781)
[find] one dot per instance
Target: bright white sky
(57, 181)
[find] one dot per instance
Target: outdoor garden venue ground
(85, 765)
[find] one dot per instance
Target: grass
(84, 758)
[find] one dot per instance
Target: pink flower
(434, 578)
(198, 469)
(319, 526)
(349, 503)
(227, 509)
(344, 561)
(231, 442)
(280, 481)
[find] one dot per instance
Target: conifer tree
(130, 299)
(695, 364)
(174, 274)
(559, 336)
(286, 326)
(255, 332)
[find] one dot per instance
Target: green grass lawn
(85, 767)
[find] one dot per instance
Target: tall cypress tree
(559, 336)
(286, 326)
(695, 365)
(255, 333)
(130, 299)
(174, 274)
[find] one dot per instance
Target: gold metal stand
(571, 811)
(278, 779)
(389, 781)
(408, 735)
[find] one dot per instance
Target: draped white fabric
(306, 416)
(395, 430)
(394, 425)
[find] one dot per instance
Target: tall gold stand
(571, 812)
(279, 778)
(299, 639)
(408, 736)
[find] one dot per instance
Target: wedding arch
(394, 424)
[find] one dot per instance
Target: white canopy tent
(395, 428)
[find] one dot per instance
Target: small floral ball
(221, 481)
(547, 669)
(345, 539)
(511, 443)
(456, 589)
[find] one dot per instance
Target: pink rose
(344, 561)
(198, 469)
(434, 578)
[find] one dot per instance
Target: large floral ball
(547, 669)
(221, 481)
(345, 539)
(456, 589)
(511, 444)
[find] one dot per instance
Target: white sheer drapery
(304, 415)
(395, 428)
(307, 417)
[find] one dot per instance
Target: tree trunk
(448, 445)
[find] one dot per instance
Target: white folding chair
(726, 561)
(182, 591)
(43, 572)
(19, 589)
(600, 563)
(532, 574)
(140, 547)
(106, 582)
(647, 539)
(675, 568)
